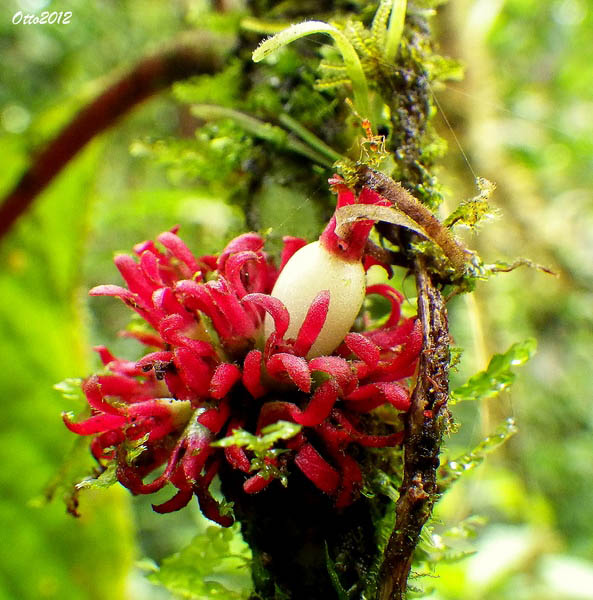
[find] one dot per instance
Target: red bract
(209, 371)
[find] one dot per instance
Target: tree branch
(189, 57)
(424, 429)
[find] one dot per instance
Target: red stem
(150, 75)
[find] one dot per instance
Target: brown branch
(424, 428)
(420, 214)
(195, 56)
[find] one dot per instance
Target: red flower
(230, 348)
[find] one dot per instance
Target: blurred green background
(522, 117)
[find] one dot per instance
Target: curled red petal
(150, 267)
(291, 245)
(224, 378)
(317, 469)
(256, 484)
(247, 241)
(370, 441)
(233, 269)
(134, 276)
(94, 395)
(294, 366)
(275, 308)
(320, 405)
(394, 297)
(252, 373)
(104, 354)
(350, 481)
(312, 323)
(271, 412)
(209, 507)
(338, 368)
(179, 250)
(368, 397)
(196, 297)
(194, 371)
(231, 308)
(117, 385)
(95, 424)
(364, 348)
(235, 455)
(179, 501)
(215, 418)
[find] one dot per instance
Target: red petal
(394, 297)
(247, 241)
(179, 500)
(256, 484)
(233, 267)
(363, 348)
(338, 368)
(368, 397)
(317, 469)
(370, 441)
(320, 406)
(275, 308)
(133, 275)
(215, 418)
(94, 424)
(231, 308)
(295, 366)
(252, 374)
(291, 245)
(351, 480)
(312, 324)
(193, 370)
(196, 297)
(150, 267)
(224, 378)
(179, 250)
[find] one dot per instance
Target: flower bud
(311, 270)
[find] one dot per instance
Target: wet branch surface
(424, 428)
(191, 56)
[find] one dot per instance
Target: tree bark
(424, 429)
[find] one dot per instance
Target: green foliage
(214, 565)
(262, 446)
(45, 552)
(498, 376)
(476, 210)
(452, 470)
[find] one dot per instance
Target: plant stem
(265, 131)
(424, 429)
(310, 138)
(149, 76)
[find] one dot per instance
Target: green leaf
(349, 55)
(498, 376)
(452, 470)
(43, 337)
(214, 565)
(281, 430)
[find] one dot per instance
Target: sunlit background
(522, 117)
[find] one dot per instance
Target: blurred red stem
(149, 76)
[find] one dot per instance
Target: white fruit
(311, 270)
